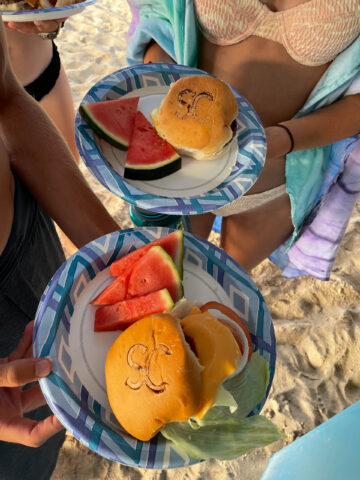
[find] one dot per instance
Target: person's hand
(44, 26)
(15, 371)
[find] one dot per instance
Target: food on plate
(185, 371)
(235, 321)
(115, 292)
(197, 116)
(154, 271)
(217, 350)
(14, 5)
(149, 270)
(192, 380)
(112, 120)
(121, 315)
(150, 156)
(152, 376)
(173, 244)
(171, 367)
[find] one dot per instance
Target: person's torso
(6, 197)
(249, 46)
(30, 258)
(313, 32)
(29, 55)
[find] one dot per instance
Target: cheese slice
(217, 351)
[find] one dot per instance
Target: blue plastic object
(329, 452)
(217, 224)
(146, 218)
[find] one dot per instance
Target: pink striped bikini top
(313, 33)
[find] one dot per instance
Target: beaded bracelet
(290, 136)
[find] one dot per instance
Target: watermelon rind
(101, 131)
(140, 285)
(154, 172)
(150, 156)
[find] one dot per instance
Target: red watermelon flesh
(112, 120)
(155, 271)
(115, 292)
(122, 314)
(173, 244)
(149, 156)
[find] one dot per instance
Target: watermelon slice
(173, 244)
(115, 292)
(155, 271)
(122, 314)
(112, 120)
(149, 156)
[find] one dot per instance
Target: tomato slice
(233, 316)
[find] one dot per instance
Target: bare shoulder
(6, 196)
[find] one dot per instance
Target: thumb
(20, 372)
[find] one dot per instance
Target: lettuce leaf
(225, 399)
(225, 435)
(225, 440)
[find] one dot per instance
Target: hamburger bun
(153, 376)
(196, 116)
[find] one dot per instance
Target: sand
(317, 324)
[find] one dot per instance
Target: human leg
(201, 224)
(249, 237)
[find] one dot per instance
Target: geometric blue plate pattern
(45, 13)
(250, 138)
(84, 416)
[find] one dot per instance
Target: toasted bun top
(217, 350)
(197, 114)
(152, 376)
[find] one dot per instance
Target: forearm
(43, 161)
(323, 127)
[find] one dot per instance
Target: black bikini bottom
(45, 82)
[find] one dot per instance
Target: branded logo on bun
(162, 369)
(152, 352)
(197, 116)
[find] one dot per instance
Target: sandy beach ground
(317, 324)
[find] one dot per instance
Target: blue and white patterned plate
(75, 390)
(198, 187)
(44, 13)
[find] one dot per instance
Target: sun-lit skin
(277, 86)
(30, 55)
